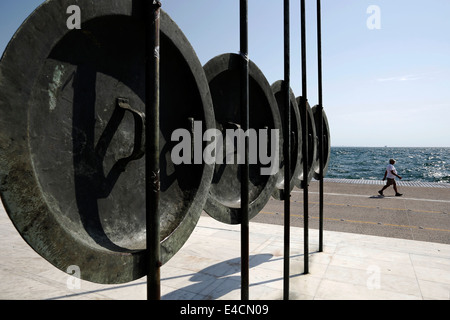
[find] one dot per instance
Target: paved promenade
(422, 213)
(352, 266)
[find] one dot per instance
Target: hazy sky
(387, 86)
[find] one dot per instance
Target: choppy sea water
(413, 164)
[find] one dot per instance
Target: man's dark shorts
(390, 182)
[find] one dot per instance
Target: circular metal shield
(224, 201)
(326, 143)
(296, 140)
(72, 175)
(312, 142)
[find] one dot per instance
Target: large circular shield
(72, 171)
(312, 142)
(326, 142)
(296, 140)
(224, 201)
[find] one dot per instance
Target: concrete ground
(352, 265)
(422, 213)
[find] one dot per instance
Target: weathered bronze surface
(326, 143)
(296, 141)
(312, 143)
(224, 198)
(71, 167)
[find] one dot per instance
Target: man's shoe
(381, 193)
(398, 194)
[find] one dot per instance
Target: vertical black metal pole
(287, 152)
(152, 148)
(305, 140)
(245, 167)
(320, 110)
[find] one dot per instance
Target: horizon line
(349, 146)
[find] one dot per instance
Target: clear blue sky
(388, 86)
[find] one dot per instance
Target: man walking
(390, 174)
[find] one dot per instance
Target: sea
(369, 163)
